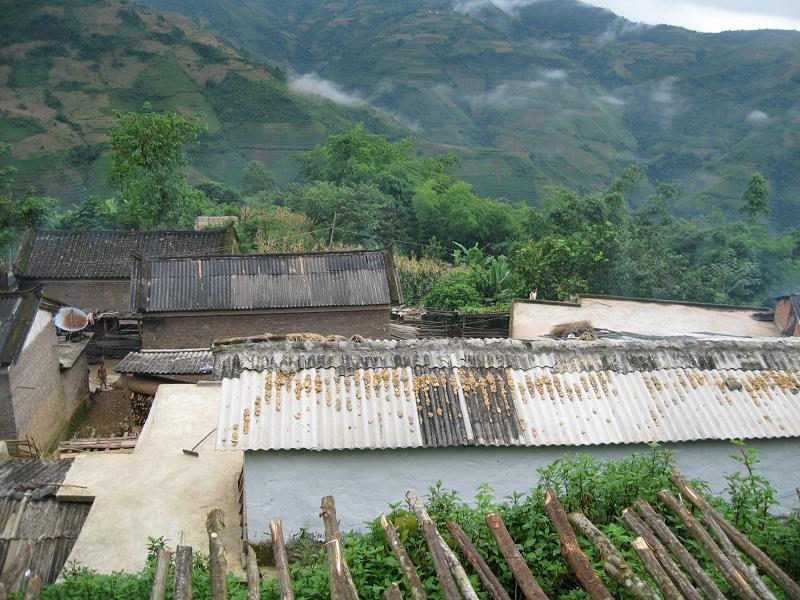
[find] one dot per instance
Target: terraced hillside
(66, 66)
(557, 91)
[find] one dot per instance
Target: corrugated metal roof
(495, 393)
(108, 254)
(31, 514)
(167, 362)
(264, 281)
(17, 312)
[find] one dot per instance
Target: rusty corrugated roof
(431, 393)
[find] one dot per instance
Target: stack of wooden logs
(140, 407)
(678, 578)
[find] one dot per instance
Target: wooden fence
(677, 576)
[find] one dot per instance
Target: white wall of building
(531, 320)
(289, 485)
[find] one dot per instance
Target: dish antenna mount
(71, 319)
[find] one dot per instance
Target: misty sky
(709, 15)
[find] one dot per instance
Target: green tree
(257, 178)
(146, 167)
(93, 213)
(217, 192)
(756, 197)
(17, 212)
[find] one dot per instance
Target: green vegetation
(601, 489)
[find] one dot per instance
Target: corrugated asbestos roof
(108, 254)
(264, 281)
(31, 514)
(166, 362)
(429, 393)
(17, 312)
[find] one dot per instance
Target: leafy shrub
(419, 276)
(453, 292)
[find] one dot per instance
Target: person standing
(102, 374)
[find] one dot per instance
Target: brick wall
(111, 295)
(36, 390)
(197, 331)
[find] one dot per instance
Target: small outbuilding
(366, 421)
(91, 270)
(787, 314)
(190, 302)
(42, 380)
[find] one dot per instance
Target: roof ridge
(265, 255)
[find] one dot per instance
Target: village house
(533, 319)
(189, 302)
(91, 270)
(365, 421)
(787, 314)
(42, 380)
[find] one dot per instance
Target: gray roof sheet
(166, 362)
(50, 526)
(52, 254)
(17, 312)
(426, 393)
(264, 281)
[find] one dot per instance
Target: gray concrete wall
(8, 426)
(75, 384)
(289, 484)
(194, 330)
(99, 295)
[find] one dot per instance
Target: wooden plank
(571, 549)
(253, 575)
(159, 590)
(653, 568)
(432, 540)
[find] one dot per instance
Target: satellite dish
(71, 319)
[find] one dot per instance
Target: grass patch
(18, 127)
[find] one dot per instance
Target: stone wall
(96, 295)
(8, 427)
(75, 384)
(193, 330)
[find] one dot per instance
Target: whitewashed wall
(289, 484)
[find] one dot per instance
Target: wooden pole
(342, 587)
(671, 541)
(34, 590)
(653, 568)
(281, 559)
(253, 575)
(613, 563)
(714, 522)
(408, 568)
(456, 568)
(432, 540)
(490, 582)
(2, 592)
(736, 580)
(16, 567)
(392, 593)
(681, 581)
(522, 573)
(159, 590)
(217, 561)
(571, 549)
(182, 586)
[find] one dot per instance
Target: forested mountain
(66, 66)
(556, 92)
